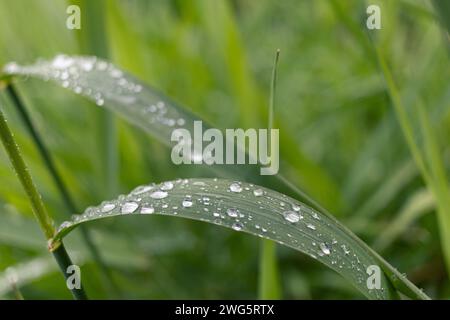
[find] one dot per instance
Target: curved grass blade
(114, 89)
(259, 211)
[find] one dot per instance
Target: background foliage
(341, 139)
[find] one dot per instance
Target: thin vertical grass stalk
(64, 261)
(269, 279)
(93, 40)
(106, 273)
(45, 221)
(432, 171)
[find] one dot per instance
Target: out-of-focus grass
(340, 137)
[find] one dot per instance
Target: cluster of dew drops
(73, 73)
(197, 199)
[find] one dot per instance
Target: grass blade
(112, 88)
(269, 279)
(429, 162)
(261, 212)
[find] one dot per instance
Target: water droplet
(147, 210)
(11, 67)
(108, 207)
(295, 207)
(187, 203)
(141, 190)
(311, 226)
(232, 212)
(258, 192)
(291, 216)
(325, 247)
(159, 194)
(129, 207)
(167, 186)
(100, 102)
(235, 187)
(64, 225)
(237, 226)
(206, 201)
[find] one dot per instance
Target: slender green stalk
(45, 221)
(39, 211)
(63, 260)
(269, 279)
(60, 185)
(93, 40)
(428, 161)
(273, 86)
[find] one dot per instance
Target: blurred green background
(341, 140)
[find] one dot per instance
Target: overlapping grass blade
(112, 88)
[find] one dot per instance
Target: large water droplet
(291, 216)
(237, 226)
(187, 203)
(129, 207)
(141, 190)
(258, 192)
(108, 207)
(325, 247)
(147, 210)
(235, 187)
(159, 194)
(232, 212)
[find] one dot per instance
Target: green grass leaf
(259, 211)
(144, 107)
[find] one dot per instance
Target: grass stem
(60, 185)
(269, 283)
(41, 214)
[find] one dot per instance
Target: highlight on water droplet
(147, 210)
(129, 207)
(187, 203)
(235, 187)
(232, 212)
(258, 192)
(166, 186)
(159, 194)
(325, 248)
(108, 207)
(237, 226)
(311, 226)
(291, 216)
